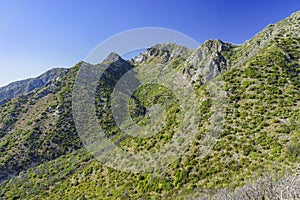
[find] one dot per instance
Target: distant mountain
(43, 157)
(25, 86)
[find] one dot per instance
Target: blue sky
(37, 35)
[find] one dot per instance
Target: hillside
(253, 123)
(25, 86)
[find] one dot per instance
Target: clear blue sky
(37, 35)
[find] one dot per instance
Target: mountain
(247, 98)
(25, 86)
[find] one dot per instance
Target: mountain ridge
(28, 85)
(266, 34)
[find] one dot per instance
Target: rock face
(201, 64)
(207, 61)
(25, 86)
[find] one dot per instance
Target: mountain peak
(113, 57)
(213, 41)
(213, 45)
(165, 51)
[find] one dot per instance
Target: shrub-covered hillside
(42, 156)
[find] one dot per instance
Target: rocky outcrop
(162, 53)
(207, 61)
(201, 64)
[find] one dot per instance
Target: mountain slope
(25, 86)
(37, 127)
(43, 158)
